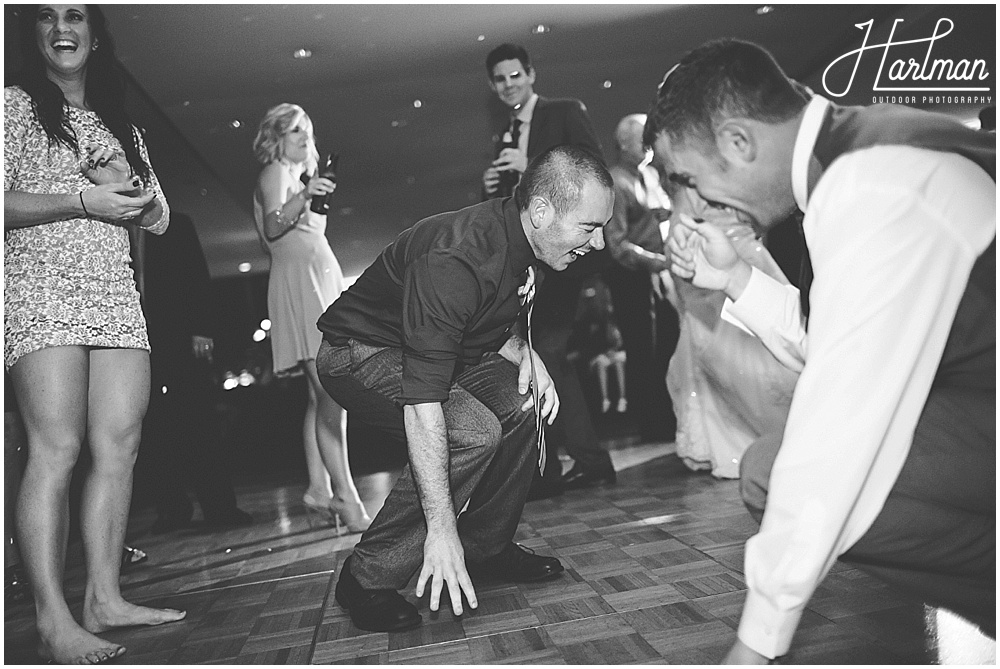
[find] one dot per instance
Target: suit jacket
(554, 122)
(557, 121)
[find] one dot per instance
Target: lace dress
(66, 283)
(727, 389)
(305, 279)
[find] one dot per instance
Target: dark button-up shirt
(445, 291)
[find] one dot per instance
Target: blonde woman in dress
(77, 179)
(727, 389)
(305, 279)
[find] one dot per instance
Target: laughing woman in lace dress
(76, 178)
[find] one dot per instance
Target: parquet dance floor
(653, 575)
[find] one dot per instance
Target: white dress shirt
(893, 232)
(524, 115)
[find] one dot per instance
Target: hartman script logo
(910, 75)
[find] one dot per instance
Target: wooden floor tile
(628, 649)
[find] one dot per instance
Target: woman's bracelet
(279, 213)
(85, 212)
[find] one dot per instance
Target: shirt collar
(525, 113)
(805, 141)
(521, 255)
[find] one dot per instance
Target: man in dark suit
(180, 443)
(536, 125)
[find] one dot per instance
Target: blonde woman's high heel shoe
(320, 511)
(352, 513)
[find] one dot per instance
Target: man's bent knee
(755, 473)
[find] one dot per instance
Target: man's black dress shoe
(578, 477)
(516, 564)
(374, 610)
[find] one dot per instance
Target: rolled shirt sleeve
(441, 294)
(892, 256)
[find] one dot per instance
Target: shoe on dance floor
(578, 477)
(132, 556)
(516, 564)
(374, 610)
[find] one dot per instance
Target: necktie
(528, 293)
(515, 131)
(805, 273)
(509, 178)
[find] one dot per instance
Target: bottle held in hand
(328, 170)
(508, 178)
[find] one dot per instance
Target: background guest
(597, 343)
(181, 446)
(75, 176)
(648, 322)
(305, 279)
(536, 125)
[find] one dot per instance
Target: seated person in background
(422, 346)
(728, 389)
(598, 342)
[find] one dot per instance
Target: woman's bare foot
(102, 617)
(72, 644)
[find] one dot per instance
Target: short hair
(274, 125)
(559, 175)
(721, 79)
(504, 52)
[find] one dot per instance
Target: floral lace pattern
(66, 283)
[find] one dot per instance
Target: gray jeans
(492, 449)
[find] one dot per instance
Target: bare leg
(51, 386)
(331, 437)
(620, 375)
(330, 433)
(601, 368)
(118, 394)
(319, 477)
(619, 365)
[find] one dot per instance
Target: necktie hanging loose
(536, 395)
